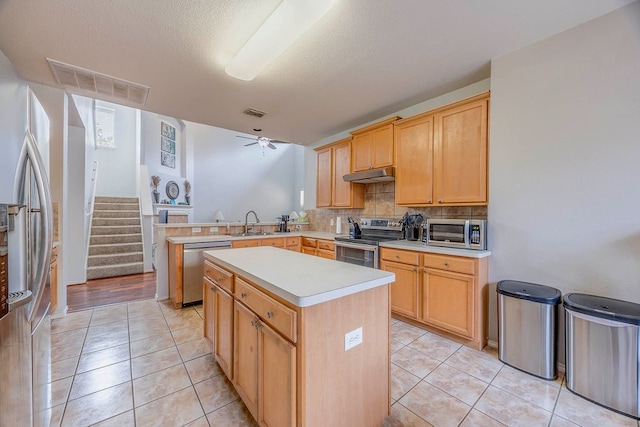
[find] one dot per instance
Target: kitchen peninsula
(303, 339)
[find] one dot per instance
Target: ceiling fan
(262, 141)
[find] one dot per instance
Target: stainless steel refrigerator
(25, 328)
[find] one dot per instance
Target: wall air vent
(72, 77)
(254, 112)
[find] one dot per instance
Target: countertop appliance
(25, 330)
(364, 250)
(412, 226)
(193, 269)
(283, 222)
(456, 233)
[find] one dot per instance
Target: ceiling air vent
(254, 112)
(72, 77)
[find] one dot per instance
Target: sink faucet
(246, 219)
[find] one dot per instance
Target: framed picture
(168, 160)
(167, 131)
(167, 145)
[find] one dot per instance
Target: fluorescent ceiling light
(283, 27)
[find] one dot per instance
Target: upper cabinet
(441, 156)
(372, 146)
(334, 161)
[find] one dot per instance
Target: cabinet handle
(212, 288)
(243, 295)
(446, 264)
(398, 256)
(440, 201)
(429, 201)
(269, 314)
(415, 269)
(220, 279)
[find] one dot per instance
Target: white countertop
(302, 280)
(220, 237)
(419, 246)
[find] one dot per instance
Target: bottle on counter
(338, 225)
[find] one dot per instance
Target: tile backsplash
(379, 202)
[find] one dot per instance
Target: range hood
(372, 175)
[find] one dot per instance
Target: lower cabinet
(294, 373)
(265, 370)
(318, 247)
(447, 293)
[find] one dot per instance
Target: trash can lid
(529, 291)
(603, 307)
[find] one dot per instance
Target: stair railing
(89, 213)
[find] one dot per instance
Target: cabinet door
(447, 301)
(223, 330)
(309, 251)
(277, 379)
(382, 146)
(414, 162)
(324, 179)
(209, 310)
(362, 151)
(53, 281)
(460, 154)
(245, 357)
(342, 166)
(404, 291)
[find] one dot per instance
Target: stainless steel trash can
(602, 348)
(527, 327)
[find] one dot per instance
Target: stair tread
(127, 264)
(115, 255)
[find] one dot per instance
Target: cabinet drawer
(404, 257)
(280, 317)
(245, 243)
(326, 254)
(458, 264)
(326, 245)
(292, 241)
(275, 242)
(219, 276)
(308, 242)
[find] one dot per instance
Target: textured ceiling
(363, 60)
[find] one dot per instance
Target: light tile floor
(146, 364)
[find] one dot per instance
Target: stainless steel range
(363, 250)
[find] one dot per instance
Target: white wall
(13, 124)
(236, 179)
(565, 146)
(150, 153)
(117, 174)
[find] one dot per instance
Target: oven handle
(356, 246)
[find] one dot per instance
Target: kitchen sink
(265, 233)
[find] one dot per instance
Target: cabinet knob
(269, 314)
(415, 270)
(243, 295)
(429, 201)
(446, 264)
(220, 279)
(398, 256)
(440, 201)
(212, 288)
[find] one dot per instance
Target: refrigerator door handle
(31, 161)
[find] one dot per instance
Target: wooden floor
(112, 290)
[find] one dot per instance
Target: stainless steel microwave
(456, 233)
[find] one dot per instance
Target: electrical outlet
(213, 229)
(353, 338)
(196, 229)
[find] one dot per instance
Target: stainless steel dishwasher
(193, 269)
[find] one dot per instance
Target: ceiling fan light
(284, 26)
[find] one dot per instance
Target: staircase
(115, 247)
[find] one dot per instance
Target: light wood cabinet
(460, 154)
(292, 243)
(245, 243)
(223, 330)
(443, 293)
(245, 357)
(209, 312)
(334, 161)
(294, 373)
(442, 155)
(404, 291)
(319, 247)
(448, 301)
(4, 285)
(373, 146)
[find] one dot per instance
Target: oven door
(357, 253)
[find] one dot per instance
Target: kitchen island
(304, 340)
